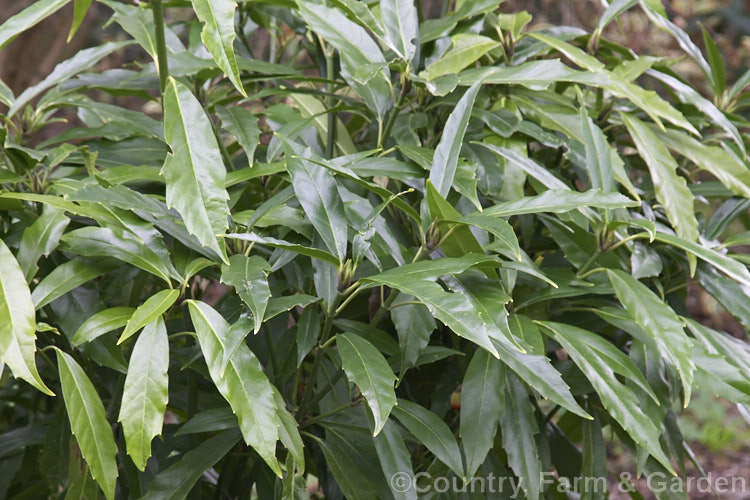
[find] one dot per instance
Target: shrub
(361, 243)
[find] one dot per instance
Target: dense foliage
(306, 242)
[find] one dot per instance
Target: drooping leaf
(445, 161)
(395, 460)
(414, 324)
(368, 369)
(144, 398)
(482, 404)
(218, 35)
(17, 322)
(617, 398)
(518, 424)
(465, 49)
(307, 333)
(432, 432)
(194, 171)
(242, 383)
(671, 189)
(176, 481)
(249, 277)
(243, 124)
(658, 320)
(316, 191)
(598, 154)
(89, 424)
(80, 7)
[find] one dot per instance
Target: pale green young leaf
(559, 201)
(148, 312)
(598, 154)
(17, 322)
(88, 422)
(218, 35)
(194, 171)
(249, 277)
(80, 7)
(144, 398)
(465, 50)
(242, 383)
(367, 368)
(102, 322)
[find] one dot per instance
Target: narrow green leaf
(312, 107)
(315, 253)
(445, 161)
(144, 398)
(82, 61)
(657, 319)
(307, 333)
(216, 419)
(482, 404)
(598, 154)
(455, 310)
(395, 460)
(243, 124)
(465, 49)
(317, 192)
(671, 189)
(101, 323)
(617, 398)
(401, 26)
(518, 424)
(68, 276)
(559, 201)
(89, 424)
(288, 431)
(17, 322)
(249, 277)
(194, 171)
(176, 481)
(30, 16)
(243, 383)
(40, 238)
(122, 245)
(432, 432)
(414, 325)
(218, 35)
(734, 269)
(368, 369)
(594, 460)
(80, 7)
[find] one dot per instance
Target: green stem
(394, 114)
(331, 140)
(161, 44)
(319, 354)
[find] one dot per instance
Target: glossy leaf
(144, 398)
(17, 322)
(368, 369)
(401, 26)
(658, 320)
(249, 277)
(27, 18)
(194, 171)
(243, 124)
(88, 422)
(519, 427)
(66, 277)
(445, 161)
(242, 383)
(218, 35)
(102, 322)
(432, 432)
(80, 7)
(465, 49)
(40, 238)
(395, 460)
